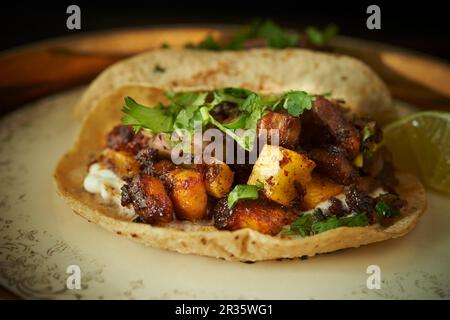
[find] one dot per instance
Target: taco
(265, 71)
(324, 182)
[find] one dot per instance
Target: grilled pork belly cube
(188, 193)
(330, 116)
(319, 189)
(149, 199)
(260, 215)
(283, 173)
(333, 163)
(288, 128)
(121, 163)
(218, 179)
(123, 138)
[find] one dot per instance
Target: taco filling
(292, 164)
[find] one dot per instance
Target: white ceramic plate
(40, 237)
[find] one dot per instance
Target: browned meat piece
(387, 174)
(260, 215)
(367, 183)
(288, 127)
(146, 158)
(149, 199)
(333, 163)
(241, 172)
(314, 134)
(336, 208)
(224, 111)
(373, 164)
(123, 138)
(331, 117)
(358, 200)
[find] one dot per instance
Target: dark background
(420, 26)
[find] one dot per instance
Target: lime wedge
(420, 144)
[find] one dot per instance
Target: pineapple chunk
(121, 162)
(319, 189)
(283, 172)
(218, 179)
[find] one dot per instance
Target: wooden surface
(37, 70)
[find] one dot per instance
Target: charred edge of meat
(241, 172)
(224, 111)
(337, 208)
(330, 115)
(332, 162)
(146, 158)
(149, 199)
(287, 126)
(261, 215)
(358, 200)
(361, 122)
(297, 202)
(123, 138)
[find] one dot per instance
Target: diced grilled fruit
(283, 173)
(121, 163)
(218, 179)
(330, 115)
(287, 127)
(333, 163)
(319, 189)
(149, 199)
(188, 193)
(260, 215)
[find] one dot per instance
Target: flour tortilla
(262, 70)
(185, 237)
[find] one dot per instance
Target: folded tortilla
(261, 70)
(190, 238)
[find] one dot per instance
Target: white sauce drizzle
(107, 184)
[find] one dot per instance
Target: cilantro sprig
(319, 37)
(186, 110)
(243, 191)
(315, 222)
(273, 36)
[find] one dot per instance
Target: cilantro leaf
(188, 109)
(274, 35)
(385, 207)
(295, 102)
(242, 191)
(315, 222)
(321, 37)
(207, 44)
(156, 119)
